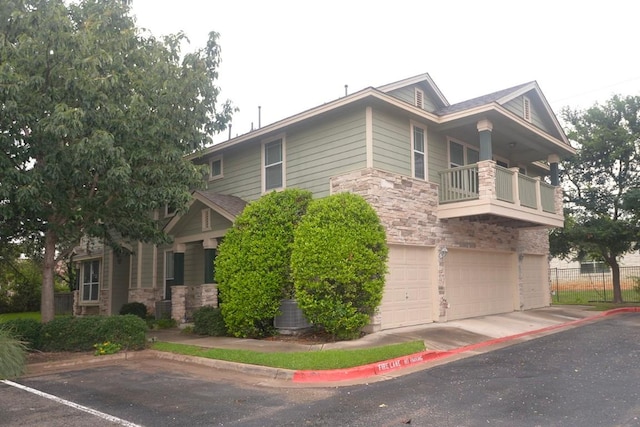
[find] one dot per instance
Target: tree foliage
(601, 185)
(253, 263)
(339, 263)
(95, 118)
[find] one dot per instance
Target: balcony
(490, 193)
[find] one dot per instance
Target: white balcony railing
(494, 182)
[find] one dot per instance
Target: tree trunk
(615, 275)
(47, 309)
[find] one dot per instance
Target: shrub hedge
(81, 333)
(253, 263)
(29, 331)
(208, 320)
(339, 261)
(12, 355)
(135, 308)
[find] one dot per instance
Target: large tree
(601, 219)
(95, 118)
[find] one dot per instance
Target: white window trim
(206, 219)
(82, 282)
(284, 163)
(418, 98)
(168, 214)
(465, 146)
(526, 109)
(221, 174)
(412, 150)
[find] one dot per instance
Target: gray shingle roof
(231, 204)
(481, 100)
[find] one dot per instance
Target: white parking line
(71, 404)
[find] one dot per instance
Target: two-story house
(467, 193)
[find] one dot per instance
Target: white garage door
(535, 281)
(407, 295)
(480, 283)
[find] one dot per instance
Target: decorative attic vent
(526, 109)
(419, 98)
(206, 219)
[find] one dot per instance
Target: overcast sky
(288, 56)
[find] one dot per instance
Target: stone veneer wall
(147, 296)
(407, 208)
(187, 299)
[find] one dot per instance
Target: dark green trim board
(485, 145)
(209, 270)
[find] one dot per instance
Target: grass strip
(309, 360)
(4, 317)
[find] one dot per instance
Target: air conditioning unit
(292, 317)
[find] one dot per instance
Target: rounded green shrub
(338, 263)
(135, 308)
(208, 320)
(81, 333)
(28, 331)
(253, 262)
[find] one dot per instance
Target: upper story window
(419, 151)
(215, 168)
(461, 154)
(526, 108)
(169, 210)
(90, 273)
(419, 98)
(273, 173)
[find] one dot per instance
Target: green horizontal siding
(330, 147)
(408, 94)
(241, 172)
(538, 118)
(391, 143)
(191, 223)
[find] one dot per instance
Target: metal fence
(575, 286)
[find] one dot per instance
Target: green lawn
(311, 360)
(590, 297)
(27, 315)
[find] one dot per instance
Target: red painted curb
(386, 366)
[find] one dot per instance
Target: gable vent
(526, 109)
(419, 98)
(206, 219)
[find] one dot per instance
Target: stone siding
(185, 300)
(147, 296)
(407, 209)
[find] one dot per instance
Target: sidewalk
(436, 336)
(442, 340)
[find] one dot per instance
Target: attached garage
(479, 283)
(535, 281)
(410, 287)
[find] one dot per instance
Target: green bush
(135, 308)
(29, 331)
(81, 333)
(253, 263)
(12, 355)
(208, 320)
(339, 263)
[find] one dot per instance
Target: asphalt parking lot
(582, 376)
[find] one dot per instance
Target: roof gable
(227, 206)
(425, 82)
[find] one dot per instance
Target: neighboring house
(586, 266)
(466, 192)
